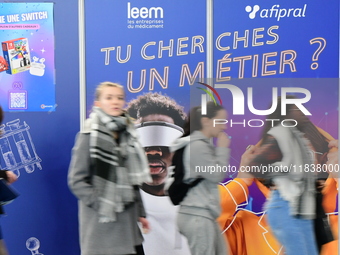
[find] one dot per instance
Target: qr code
(18, 100)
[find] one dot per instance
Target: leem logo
(144, 17)
(276, 12)
(144, 12)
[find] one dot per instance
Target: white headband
(158, 133)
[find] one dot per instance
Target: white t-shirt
(163, 238)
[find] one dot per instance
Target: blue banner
(158, 51)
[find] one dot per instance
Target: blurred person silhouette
(291, 206)
(107, 167)
(10, 177)
(248, 232)
(200, 207)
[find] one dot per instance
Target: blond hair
(106, 84)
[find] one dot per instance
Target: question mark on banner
(322, 44)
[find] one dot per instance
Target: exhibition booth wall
(64, 49)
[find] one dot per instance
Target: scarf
(118, 166)
(307, 202)
(299, 185)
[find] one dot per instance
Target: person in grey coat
(107, 167)
(201, 206)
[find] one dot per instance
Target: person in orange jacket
(248, 233)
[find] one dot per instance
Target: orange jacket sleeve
(232, 194)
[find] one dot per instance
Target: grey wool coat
(96, 238)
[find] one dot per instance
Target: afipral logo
(276, 12)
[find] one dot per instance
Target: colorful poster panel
(27, 72)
